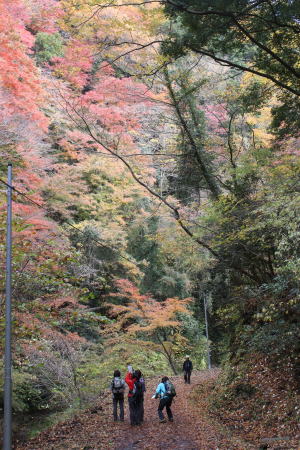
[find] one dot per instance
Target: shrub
(48, 46)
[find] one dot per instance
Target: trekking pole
(7, 358)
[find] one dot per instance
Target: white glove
(130, 369)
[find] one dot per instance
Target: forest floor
(193, 427)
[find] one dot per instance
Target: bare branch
(228, 63)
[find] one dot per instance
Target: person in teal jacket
(165, 401)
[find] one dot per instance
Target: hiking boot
(162, 421)
(171, 419)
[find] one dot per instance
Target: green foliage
(28, 395)
(86, 325)
(275, 338)
(251, 37)
(118, 356)
(195, 164)
(193, 331)
(48, 46)
(286, 117)
(159, 274)
(245, 32)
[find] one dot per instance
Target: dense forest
(155, 150)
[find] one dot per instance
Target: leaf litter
(194, 428)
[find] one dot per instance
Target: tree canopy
(155, 151)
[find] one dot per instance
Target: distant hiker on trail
(135, 396)
(166, 392)
(187, 369)
(117, 388)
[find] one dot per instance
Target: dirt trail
(192, 429)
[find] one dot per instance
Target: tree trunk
(167, 355)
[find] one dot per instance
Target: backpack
(170, 389)
(138, 391)
(118, 386)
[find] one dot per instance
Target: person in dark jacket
(117, 388)
(140, 389)
(135, 396)
(187, 369)
(142, 380)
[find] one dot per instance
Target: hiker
(142, 380)
(117, 388)
(140, 389)
(135, 396)
(187, 369)
(166, 392)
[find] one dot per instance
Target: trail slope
(192, 429)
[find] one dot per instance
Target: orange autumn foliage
(148, 314)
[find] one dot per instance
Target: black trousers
(136, 410)
(142, 411)
(165, 402)
(118, 400)
(187, 376)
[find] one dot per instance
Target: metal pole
(206, 328)
(7, 359)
